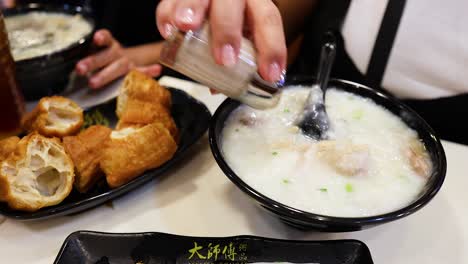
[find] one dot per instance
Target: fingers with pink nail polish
(189, 14)
(228, 55)
(182, 14)
(168, 30)
(164, 20)
(269, 39)
(274, 72)
(227, 20)
(226, 30)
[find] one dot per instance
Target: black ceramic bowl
(48, 74)
(310, 221)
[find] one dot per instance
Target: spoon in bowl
(314, 120)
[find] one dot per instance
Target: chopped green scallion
(357, 114)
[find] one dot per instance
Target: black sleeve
(131, 22)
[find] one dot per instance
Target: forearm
(146, 54)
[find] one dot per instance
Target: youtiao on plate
(37, 174)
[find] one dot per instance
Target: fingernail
(228, 55)
(154, 72)
(94, 82)
(99, 38)
(168, 28)
(82, 68)
(185, 15)
(282, 78)
(274, 72)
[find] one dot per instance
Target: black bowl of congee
(380, 162)
(46, 41)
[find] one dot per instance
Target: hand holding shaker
(190, 54)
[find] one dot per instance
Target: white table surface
(195, 198)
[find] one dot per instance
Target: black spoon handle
(314, 120)
(327, 57)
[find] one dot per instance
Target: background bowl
(49, 74)
(306, 220)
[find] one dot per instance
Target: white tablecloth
(195, 198)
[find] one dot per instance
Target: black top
(131, 22)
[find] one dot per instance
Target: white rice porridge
(372, 163)
(39, 33)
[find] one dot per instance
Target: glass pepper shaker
(190, 54)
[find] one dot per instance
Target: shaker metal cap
(261, 94)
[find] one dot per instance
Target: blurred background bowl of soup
(46, 41)
(307, 219)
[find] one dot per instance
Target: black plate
(192, 118)
(104, 248)
(307, 220)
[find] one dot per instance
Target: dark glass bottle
(11, 100)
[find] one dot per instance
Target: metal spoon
(314, 120)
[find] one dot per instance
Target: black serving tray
(103, 248)
(192, 118)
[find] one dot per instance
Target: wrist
(143, 55)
